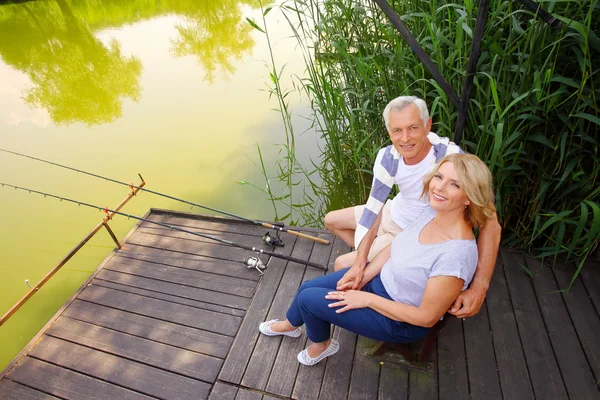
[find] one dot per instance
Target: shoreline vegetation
(533, 114)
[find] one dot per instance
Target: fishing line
(108, 211)
(278, 227)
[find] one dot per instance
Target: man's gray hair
(400, 103)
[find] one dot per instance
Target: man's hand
(468, 302)
(352, 279)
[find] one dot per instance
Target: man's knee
(330, 220)
(344, 261)
(340, 219)
(339, 263)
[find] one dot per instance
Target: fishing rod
(250, 261)
(278, 228)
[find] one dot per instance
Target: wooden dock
(174, 316)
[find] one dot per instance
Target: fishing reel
(255, 263)
(273, 241)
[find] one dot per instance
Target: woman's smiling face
(445, 190)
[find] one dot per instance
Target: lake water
(172, 90)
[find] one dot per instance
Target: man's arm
(469, 302)
(370, 271)
(357, 270)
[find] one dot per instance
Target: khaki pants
(387, 229)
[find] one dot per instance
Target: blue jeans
(310, 307)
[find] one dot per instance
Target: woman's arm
(371, 270)
(440, 293)
(469, 302)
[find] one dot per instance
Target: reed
(533, 114)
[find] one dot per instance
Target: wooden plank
(577, 375)
(184, 362)
(512, 368)
(453, 379)
(321, 253)
(309, 379)
(183, 337)
(195, 262)
(171, 278)
(393, 383)
(222, 391)
(172, 299)
(338, 370)
(225, 232)
(159, 309)
(481, 359)
(194, 241)
(67, 384)
(422, 385)
(543, 369)
(261, 364)
(245, 340)
(174, 290)
(244, 394)
(185, 276)
(119, 371)
(10, 390)
(590, 276)
(364, 383)
(584, 316)
(212, 250)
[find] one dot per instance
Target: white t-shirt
(407, 205)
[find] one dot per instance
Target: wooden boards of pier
(175, 317)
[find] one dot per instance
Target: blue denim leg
(328, 281)
(311, 308)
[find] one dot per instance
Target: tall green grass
(533, 114)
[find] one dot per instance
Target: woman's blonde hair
(476, 181)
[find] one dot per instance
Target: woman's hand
(349, 300)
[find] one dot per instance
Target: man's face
(409, 135)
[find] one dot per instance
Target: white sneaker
(265, 329)
(304, 358)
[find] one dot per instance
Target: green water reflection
(168, 89)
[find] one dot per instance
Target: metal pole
(542, 13)
(471, 69)
(54, 270)
(419, 51)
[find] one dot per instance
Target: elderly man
(372, 227)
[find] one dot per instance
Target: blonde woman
(410, 284)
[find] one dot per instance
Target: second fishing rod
(108, 211)
(276, 227)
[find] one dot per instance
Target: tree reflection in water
(77, 78)
(74, 76)
(216, 34)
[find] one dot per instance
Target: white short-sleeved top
(411, 264)
(408, 203)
